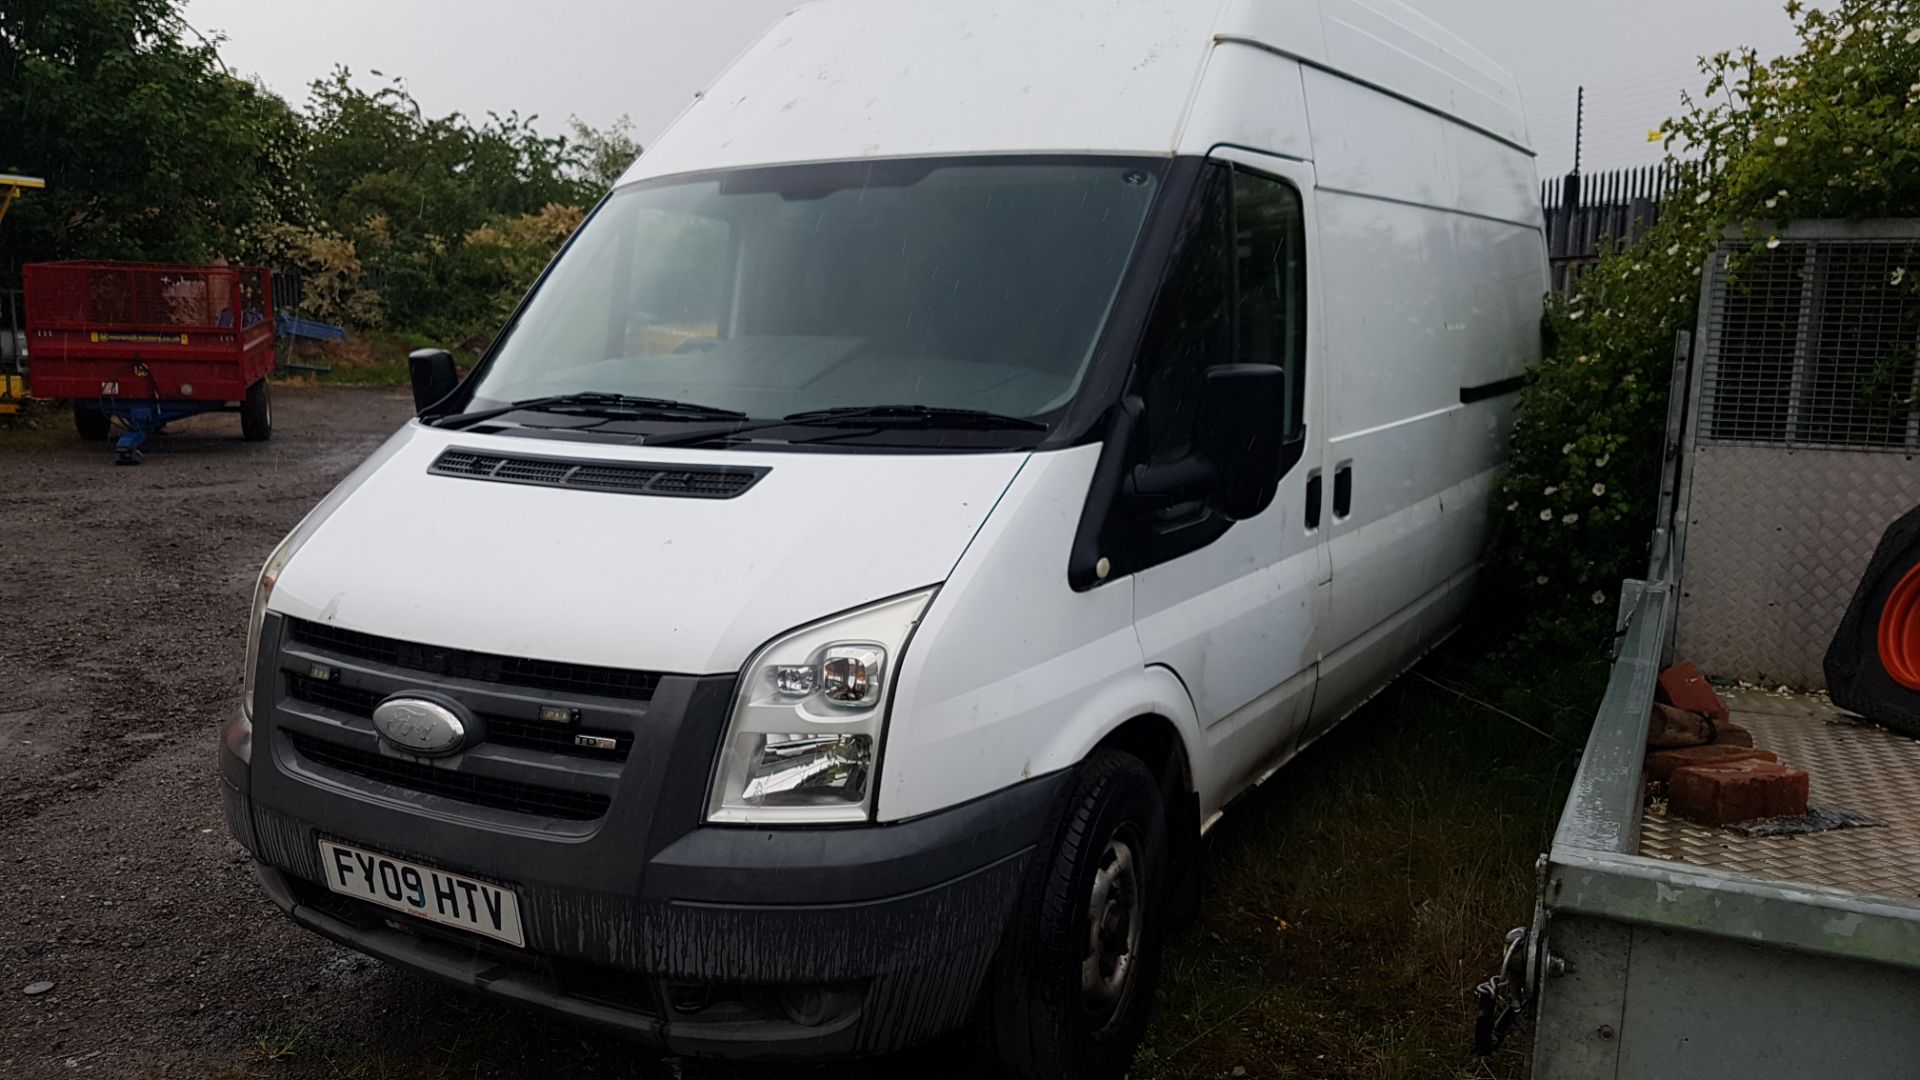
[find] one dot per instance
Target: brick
(1732, 735)
(1662, 765)
(1670, 728)
(1683, 687)
(1739, 791)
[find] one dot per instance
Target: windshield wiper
(592, 401)
(855, 415)
(925, 415)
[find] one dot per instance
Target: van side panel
(1013, 674)
(1434, 271)
(1390, 45)
(1237, 75)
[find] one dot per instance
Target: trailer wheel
(256, 413)
(1072, 985)
(93, 424)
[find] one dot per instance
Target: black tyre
(1072, 985)
(92, 424)
(256, 413)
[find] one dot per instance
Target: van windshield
(954, 284)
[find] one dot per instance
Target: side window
(1236, 295)
(1271, 285)
(1192, 325)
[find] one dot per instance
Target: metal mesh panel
(1812, 344)
(104, 296)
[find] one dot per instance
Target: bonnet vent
(616, 477)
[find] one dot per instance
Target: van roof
(849, 79)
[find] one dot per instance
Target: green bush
(1830, 131)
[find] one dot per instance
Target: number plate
(423, 892)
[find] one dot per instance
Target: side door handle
(1316, 497)
(1343, 491)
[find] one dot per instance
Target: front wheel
(93, 424)
(1072, 985)
(256, 413)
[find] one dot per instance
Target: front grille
(481, 667)
(619, 478)
(464, 787)
(500, 730)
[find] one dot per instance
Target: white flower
(1771, 203)
(1541, 580)
(1914, 90)
(1674, 250)
(1913, 36)
(1899, 275)
(1703, 198)
(1779, 140)
(1552, 491)
(1782, 193)
(1512, 506)
(1546, 515)
(1629, 377)
(1847, 31)
(1570, 519)
(1772, 242)
(1602, 463)
(1599, 598)
(1575, 315)
(1568, 449)
(1847, 150)
(1599, 489)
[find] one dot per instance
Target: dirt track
(123, 600)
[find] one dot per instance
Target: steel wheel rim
(1115, 920)
(1899, 637)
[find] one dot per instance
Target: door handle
(1316, 495)
(1343, 491)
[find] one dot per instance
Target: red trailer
(149, 344)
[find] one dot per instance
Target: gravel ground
(123, 600)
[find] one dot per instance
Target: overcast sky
(646, 58)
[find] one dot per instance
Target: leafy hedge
(1830, 131)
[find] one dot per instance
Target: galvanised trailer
(150, 344)
(1660, 948)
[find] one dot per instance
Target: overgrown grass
(1351, 906)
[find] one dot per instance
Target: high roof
(846, 79)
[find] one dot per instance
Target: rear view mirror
(433, 375)
(1243, 411)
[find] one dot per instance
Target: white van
(972, 446)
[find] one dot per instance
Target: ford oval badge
(424, 727)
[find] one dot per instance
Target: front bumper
(734, 942)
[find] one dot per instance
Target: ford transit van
(971, 447)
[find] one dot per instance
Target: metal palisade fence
(1584, 210)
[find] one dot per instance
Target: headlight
(804, 739)
(262, 589)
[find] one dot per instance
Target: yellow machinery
(13, 380)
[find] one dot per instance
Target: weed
(279, 1043)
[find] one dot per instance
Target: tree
(151, 150)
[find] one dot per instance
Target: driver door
(1237, 612)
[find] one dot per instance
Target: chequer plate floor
(1853, 766)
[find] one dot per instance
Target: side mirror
(1243, 410)
(434, 377)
